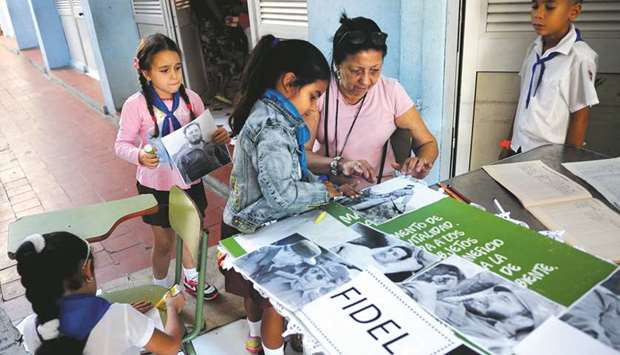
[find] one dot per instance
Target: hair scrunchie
(49, 330)
(37, 240)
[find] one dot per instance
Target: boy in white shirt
(557, 80)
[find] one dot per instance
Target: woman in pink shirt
(162, 106)
(361, 109)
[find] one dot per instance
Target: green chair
(186, 221)
(93, 222)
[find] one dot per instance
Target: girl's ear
(145, 73)
(575, 11)
(288, 82)
(88, 271)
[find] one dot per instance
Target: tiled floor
(57, 152)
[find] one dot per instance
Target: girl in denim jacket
(270, 178)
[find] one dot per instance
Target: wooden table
(480, 188)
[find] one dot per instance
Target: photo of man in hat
(295, 270)
(490, 311)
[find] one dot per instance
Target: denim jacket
(266, 181)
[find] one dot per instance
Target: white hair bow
(37, 240)
(49, 330)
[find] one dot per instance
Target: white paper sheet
(555, 337)
(534, 183)
(379, 319)
(603, 175)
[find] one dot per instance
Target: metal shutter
(514, 15)
(64, 7)
(281, 18)
(148, 12)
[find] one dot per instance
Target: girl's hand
(350, 190)
(220, 136)
(414, 166)
(332, 190)
(358, 168)
(142, 306)
(149, 160)
(176, 302)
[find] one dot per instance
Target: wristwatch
(333, 165)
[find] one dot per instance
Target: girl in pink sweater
(161, 106)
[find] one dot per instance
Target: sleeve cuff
(148, 334)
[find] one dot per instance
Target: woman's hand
(358, 168)
(220, 136)
(414, 166)
(148, 159)
(142, 306)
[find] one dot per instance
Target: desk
(92, 223)
(480, 188)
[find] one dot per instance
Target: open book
(190, 150)
(562, 204)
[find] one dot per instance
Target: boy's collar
(564, 46)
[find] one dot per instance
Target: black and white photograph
(490, 311)
(598, 312)
(295, 270)
(392, 198)
(191, 150)
(395, 258)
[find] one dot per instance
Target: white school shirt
(567, 87)
(122, 330)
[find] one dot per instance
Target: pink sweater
(135, 127)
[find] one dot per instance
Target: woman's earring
(338, 76)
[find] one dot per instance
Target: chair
(93, 222)
(186, 221)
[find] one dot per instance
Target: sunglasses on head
(361, 37)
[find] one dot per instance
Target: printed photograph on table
(396, 259)
(295, 270)
(598, 312)
(191, 150)
(383, 202)
(489, 311)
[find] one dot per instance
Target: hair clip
(275, 42)
(37, 241)
(136, 63)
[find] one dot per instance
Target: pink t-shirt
(135, 127)
(385, 101)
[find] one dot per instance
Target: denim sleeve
(280, 188)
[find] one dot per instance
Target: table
(480, 188)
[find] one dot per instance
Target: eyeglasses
(361, 37)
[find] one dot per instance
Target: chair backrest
(186, 220)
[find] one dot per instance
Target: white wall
(5, 20)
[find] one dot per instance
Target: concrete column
(23, 25)
(115, 39)
(50, 34)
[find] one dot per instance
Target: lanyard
(346, 139)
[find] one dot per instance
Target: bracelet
(333, 165)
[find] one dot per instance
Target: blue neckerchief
(302, 132)
(541, 61)
(80, 313)
(170, 119)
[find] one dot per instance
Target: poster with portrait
(396, 259)
(191, 151)
(490, 311)
(295, 271)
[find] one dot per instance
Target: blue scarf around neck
(80, 313)
(170, 123)
(302, 133)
